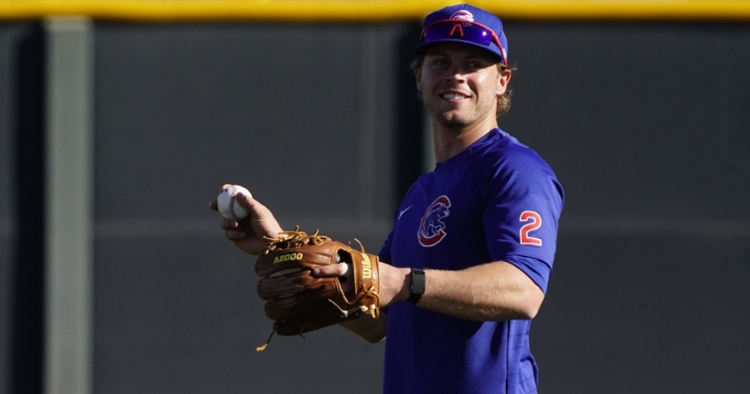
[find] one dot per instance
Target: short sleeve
(523, 203)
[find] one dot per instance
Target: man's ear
(503, 79)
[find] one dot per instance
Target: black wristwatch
(417, 285)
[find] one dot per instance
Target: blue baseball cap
(465, 24)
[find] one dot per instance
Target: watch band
(417, 285)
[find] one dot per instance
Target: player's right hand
(248, 234)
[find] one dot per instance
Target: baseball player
(467, 263)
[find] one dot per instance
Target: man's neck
(449, 142)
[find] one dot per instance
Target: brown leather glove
(299, 302)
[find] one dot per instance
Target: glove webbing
(294, 239)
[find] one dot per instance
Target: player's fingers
(228, 224)
(234, 235)
(331, 270)
(251, 204)
(214, 205)
(347, 272)
(244, 200)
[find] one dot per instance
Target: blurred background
(119, 122)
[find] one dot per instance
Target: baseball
(228, 206)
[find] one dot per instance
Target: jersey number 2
(535, 221)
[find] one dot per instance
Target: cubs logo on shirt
(432, 228)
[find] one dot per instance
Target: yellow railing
(373, 10)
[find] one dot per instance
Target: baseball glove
(297, 301)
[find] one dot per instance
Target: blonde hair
(503, 100)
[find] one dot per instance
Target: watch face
(417, 285)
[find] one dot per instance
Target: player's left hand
(342, 271)
(394, 282)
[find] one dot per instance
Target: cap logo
(457, 27)
(462, 15)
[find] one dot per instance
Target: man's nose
(456, 74)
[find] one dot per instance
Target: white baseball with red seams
(228, 205)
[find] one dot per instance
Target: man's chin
(451, 119)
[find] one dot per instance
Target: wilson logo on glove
(366, 267)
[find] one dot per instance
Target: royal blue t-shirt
(497, 200)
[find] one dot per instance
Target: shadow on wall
(27, 298)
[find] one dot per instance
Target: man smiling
(467, 263)
(487, 273)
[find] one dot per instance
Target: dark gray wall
(643, 123)
(646, 127)
(21, 213)
(300, 114)
(7, 37)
